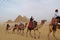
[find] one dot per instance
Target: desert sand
(4, 35)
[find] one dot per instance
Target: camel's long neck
(25, 25)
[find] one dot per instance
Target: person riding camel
(21, 22)
(31, 23)
(57, 15)
(54, 24)
(55, 20)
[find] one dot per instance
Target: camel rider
(31, 19)
(31, 23)
(21, 22)
(54, 20)
(57, 15)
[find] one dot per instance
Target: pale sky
(39, 9)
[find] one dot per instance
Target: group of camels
(21, 27)
(52, 27)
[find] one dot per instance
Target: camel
(20, 27)
(53, 26)
(42, 23)
(35, 27)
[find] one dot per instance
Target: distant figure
(21, 22)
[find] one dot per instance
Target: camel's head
(43, 21)
(26, 24)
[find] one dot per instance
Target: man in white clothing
(56, 13)
(57, 16)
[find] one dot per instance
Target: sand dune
(15, 36)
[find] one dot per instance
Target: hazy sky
(39, 9)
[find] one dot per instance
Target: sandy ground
(4, 35)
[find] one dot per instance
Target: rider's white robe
(56, 14)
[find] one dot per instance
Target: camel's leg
(39, 33)
(50, 30)
(7, 30)
(34, 34)
(54, 34)
(49, 34)
(18, 30)
(27, 33)
(14, 29)
(30, 33)
(22, 32)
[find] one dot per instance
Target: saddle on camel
(32, 24)
(58, 18)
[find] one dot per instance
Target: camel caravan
(54, 24)
(31, 25)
